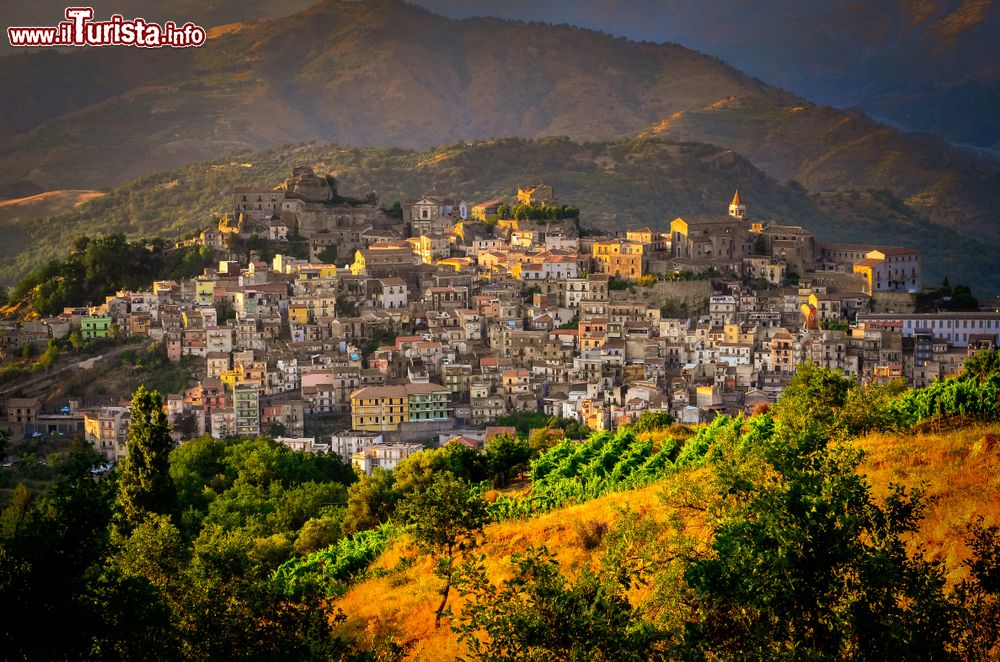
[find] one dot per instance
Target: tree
(76, 342)
(652, 420)
(318, 534)
(4, 444)
(979, 593)
(542, 439)
(50, 548)
(804, 559)
(506, 455)
(328, 254)
(447, 518)
(813, 397)
(346, 306)
(539, 614)
(49, 356)
(469, 464)
(370, 501)
(981, 365)
(144, 484)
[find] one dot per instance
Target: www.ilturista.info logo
(80, 30)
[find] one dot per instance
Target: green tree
(49, 356)
(507, 455)
(417, 472)
(76, 342)
(804, 559)
(144, 484)
(50, 548)
(371, 501)
(328, 254)
(346, 306)
(979, 594)
(813, 397)
(469, 464)
(542, 439)
(447, 519)
(652, 420)
(4, 444)
(539, 614)
(981, 365)
(317, 534)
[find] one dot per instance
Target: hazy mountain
(922, 65)
(926, 65)
(385, 73)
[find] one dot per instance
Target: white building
(385, 456)
(955, 327)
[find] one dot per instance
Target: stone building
(700, 242)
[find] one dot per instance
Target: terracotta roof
(737, 200)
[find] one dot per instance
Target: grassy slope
(961, 474)
(630, 182)
(48, 203)
(962, 480)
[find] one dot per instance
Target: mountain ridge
(384, 72)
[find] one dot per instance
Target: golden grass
(44, 204)
(400, 605)
(960, 474)
(217, 31)
(962, 477)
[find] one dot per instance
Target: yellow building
(641, 235)
(381, 408)
(204, 291)
(618, 258)
(246, 372)
(542, 194)
(486, 211)
(459, 264)
(298, 313)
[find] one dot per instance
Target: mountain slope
(632, 182)
(926, 65)
(385, 73)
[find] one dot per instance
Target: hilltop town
(439, 318)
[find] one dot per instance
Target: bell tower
(737, 208)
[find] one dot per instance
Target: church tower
(737, 209)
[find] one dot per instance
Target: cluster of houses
(433, 325)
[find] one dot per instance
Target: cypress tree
(144, 483)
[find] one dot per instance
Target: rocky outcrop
(306, 185)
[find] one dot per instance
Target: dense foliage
(171, 559)
(99, 267)
(837, 404)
